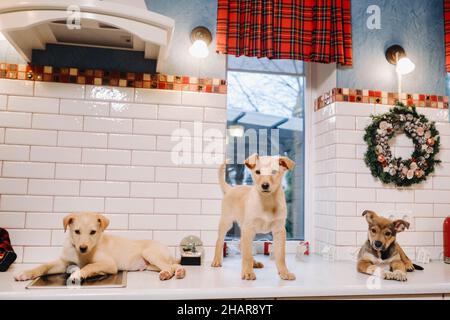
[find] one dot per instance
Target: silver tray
(59, 281)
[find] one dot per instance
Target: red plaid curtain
(308, 30)
(447, 33)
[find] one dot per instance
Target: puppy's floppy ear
(68, 220)
(370, 215)
(103, 221)
(286, 163)
(400, 225)
(250, 162)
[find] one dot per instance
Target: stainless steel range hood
(114, 24)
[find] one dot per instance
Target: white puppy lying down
(97, 253)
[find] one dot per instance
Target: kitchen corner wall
(67, 147)
(344, 187)
(416, 25)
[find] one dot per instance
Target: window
(267, 97)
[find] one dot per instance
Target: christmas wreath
(379, 158)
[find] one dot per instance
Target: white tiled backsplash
(66, 147)
(344, 186)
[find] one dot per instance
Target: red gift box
(7, 254)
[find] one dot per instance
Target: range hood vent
(101, 36)
(111, 24)
(106, 26)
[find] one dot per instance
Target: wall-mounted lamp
(396, 55)
(201, 37)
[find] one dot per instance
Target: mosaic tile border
(100, 77)
(380, 97)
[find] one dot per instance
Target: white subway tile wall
(344, 187)
(66, 148)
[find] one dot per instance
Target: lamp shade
(405, 66)
(199, 49)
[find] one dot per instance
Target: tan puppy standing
(260, 208)
(97, 253)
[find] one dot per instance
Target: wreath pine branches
(379, 157)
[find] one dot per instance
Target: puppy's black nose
(265, 186)
(378, 244)
(83, 249)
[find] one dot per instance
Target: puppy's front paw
(287, 275)
(399, 275)
(216, 263)
(25, 275)
(180, 273)
(248, 275)
(165, 275)
(387, 275)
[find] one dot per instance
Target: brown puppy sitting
(260, 208)
(381, 249)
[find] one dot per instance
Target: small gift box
(7, 254)
(302, 250)
(267, 248)
(304, 246)
(231, 248)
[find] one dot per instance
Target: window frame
(309, 157)
(309, 187)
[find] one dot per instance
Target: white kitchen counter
(315, 278)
